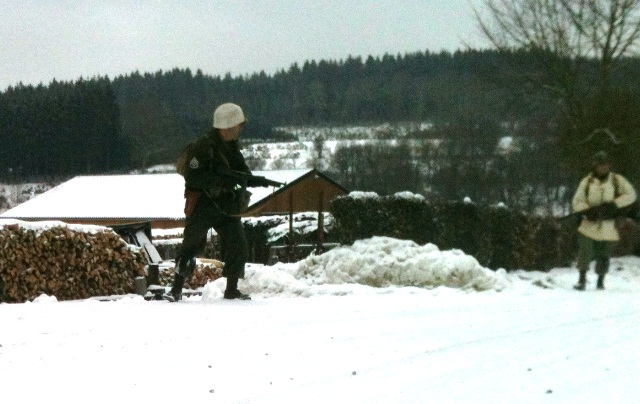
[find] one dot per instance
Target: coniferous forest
(163, 110)
(471, 98)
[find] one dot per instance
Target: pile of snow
(398, 195)
(385, 261)
(44, 298)
(369, 265)
(409, 195)
(363, 195)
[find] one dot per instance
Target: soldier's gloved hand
(608, 210)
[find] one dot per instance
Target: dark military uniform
(212, 201)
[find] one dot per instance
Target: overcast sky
(66, 39)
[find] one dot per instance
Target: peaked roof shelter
(158, 198)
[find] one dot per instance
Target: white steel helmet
(227, 116)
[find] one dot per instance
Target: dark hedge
(496, 236)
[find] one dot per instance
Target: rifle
(246, 179)
(241, 196)
(573, 220)
(579, 213)
(601, 212)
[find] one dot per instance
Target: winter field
(382, 321)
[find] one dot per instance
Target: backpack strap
(586, 188)
(616, 186)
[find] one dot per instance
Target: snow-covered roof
(150, 196)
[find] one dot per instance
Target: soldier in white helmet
(213, 200)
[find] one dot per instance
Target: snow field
(381, 321)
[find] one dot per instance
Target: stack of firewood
(206, 271)
(65, 263)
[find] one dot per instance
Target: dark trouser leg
(234, 250)
(195, 236)
(602, 255)
(232, 284)
(602, 266)
(184, 270)
(585, 255)
(233, 247)
(602, 252)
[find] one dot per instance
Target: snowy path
(400, 346)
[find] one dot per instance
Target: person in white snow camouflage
(599, 197)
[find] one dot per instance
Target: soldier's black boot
(582, 281)
(175, 294)
(232, 291)
(184, 270)
(176, 288)
(602, 267)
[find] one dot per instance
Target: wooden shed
(311, 191)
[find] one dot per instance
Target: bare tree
(572, 31)
(576, 46)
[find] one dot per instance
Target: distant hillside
(139, 120)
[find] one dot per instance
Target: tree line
(152, 115)
(162, 111)
(472, 98)
(61, 130)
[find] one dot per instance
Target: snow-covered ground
(382, 321)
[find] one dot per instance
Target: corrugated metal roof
(148, 196)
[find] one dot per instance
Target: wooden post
(319, 247)
(290, 246)
(153, 274)
(141, 285)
